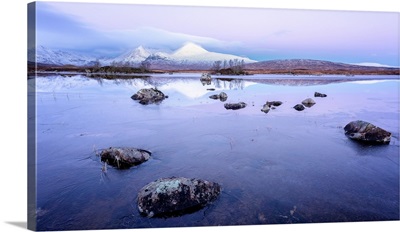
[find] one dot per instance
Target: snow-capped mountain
(57, 57)
(188, 56)
(193, 53)
(134, 56)
(189, 50)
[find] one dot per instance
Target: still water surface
(282, 167)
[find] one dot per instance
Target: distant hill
(307, 66)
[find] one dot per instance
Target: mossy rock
(149, 96)
(175, 196)
(367, 132)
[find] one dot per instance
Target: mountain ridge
(192, 57)
(46, 55)
(188, 54)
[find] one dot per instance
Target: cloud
(372, 64)
(367, 82)
(59, 31)
(65, 26)
(158, 38)
(281, 33)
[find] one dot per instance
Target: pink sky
(260, 34)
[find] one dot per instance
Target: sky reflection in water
(266, 163)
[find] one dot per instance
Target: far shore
(285, 67)
(61, 71)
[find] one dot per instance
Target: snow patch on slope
(371, 64)
(58, 57)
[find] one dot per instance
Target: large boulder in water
(367, 132)
(176, 196)
(149, 96)
(235, 106)
(124, 157)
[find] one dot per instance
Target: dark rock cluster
(270, 105)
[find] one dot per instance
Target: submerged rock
(235, 106)
(308, 102)
(316, 94)
(367, 132)
(299, 107)
(149, 96)
(222, 96)
(175, 196)
(265, 108)
(124, 157)
(273, 103)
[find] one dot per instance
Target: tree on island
(145, 66)
(231, 67)
(119, 67)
